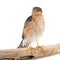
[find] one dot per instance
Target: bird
(33, 28)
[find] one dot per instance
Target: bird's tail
(21, 45)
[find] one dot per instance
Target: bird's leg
(39, 47)
(37, 42)
(30, 48)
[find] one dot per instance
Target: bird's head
(36, 10)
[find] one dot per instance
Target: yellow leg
(40, 47)
(30, 48)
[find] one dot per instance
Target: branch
(25, 53)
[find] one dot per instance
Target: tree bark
(26, 53)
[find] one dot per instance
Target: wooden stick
(26, 53)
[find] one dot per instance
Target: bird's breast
(39, 25)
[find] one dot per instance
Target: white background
(13, 14)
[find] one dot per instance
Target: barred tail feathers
(21, 45)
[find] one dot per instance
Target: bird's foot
(40, 47)
(30, 49)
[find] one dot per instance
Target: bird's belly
(40, 24)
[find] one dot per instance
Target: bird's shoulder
(29, 19)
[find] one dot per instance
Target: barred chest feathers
(39, 25)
